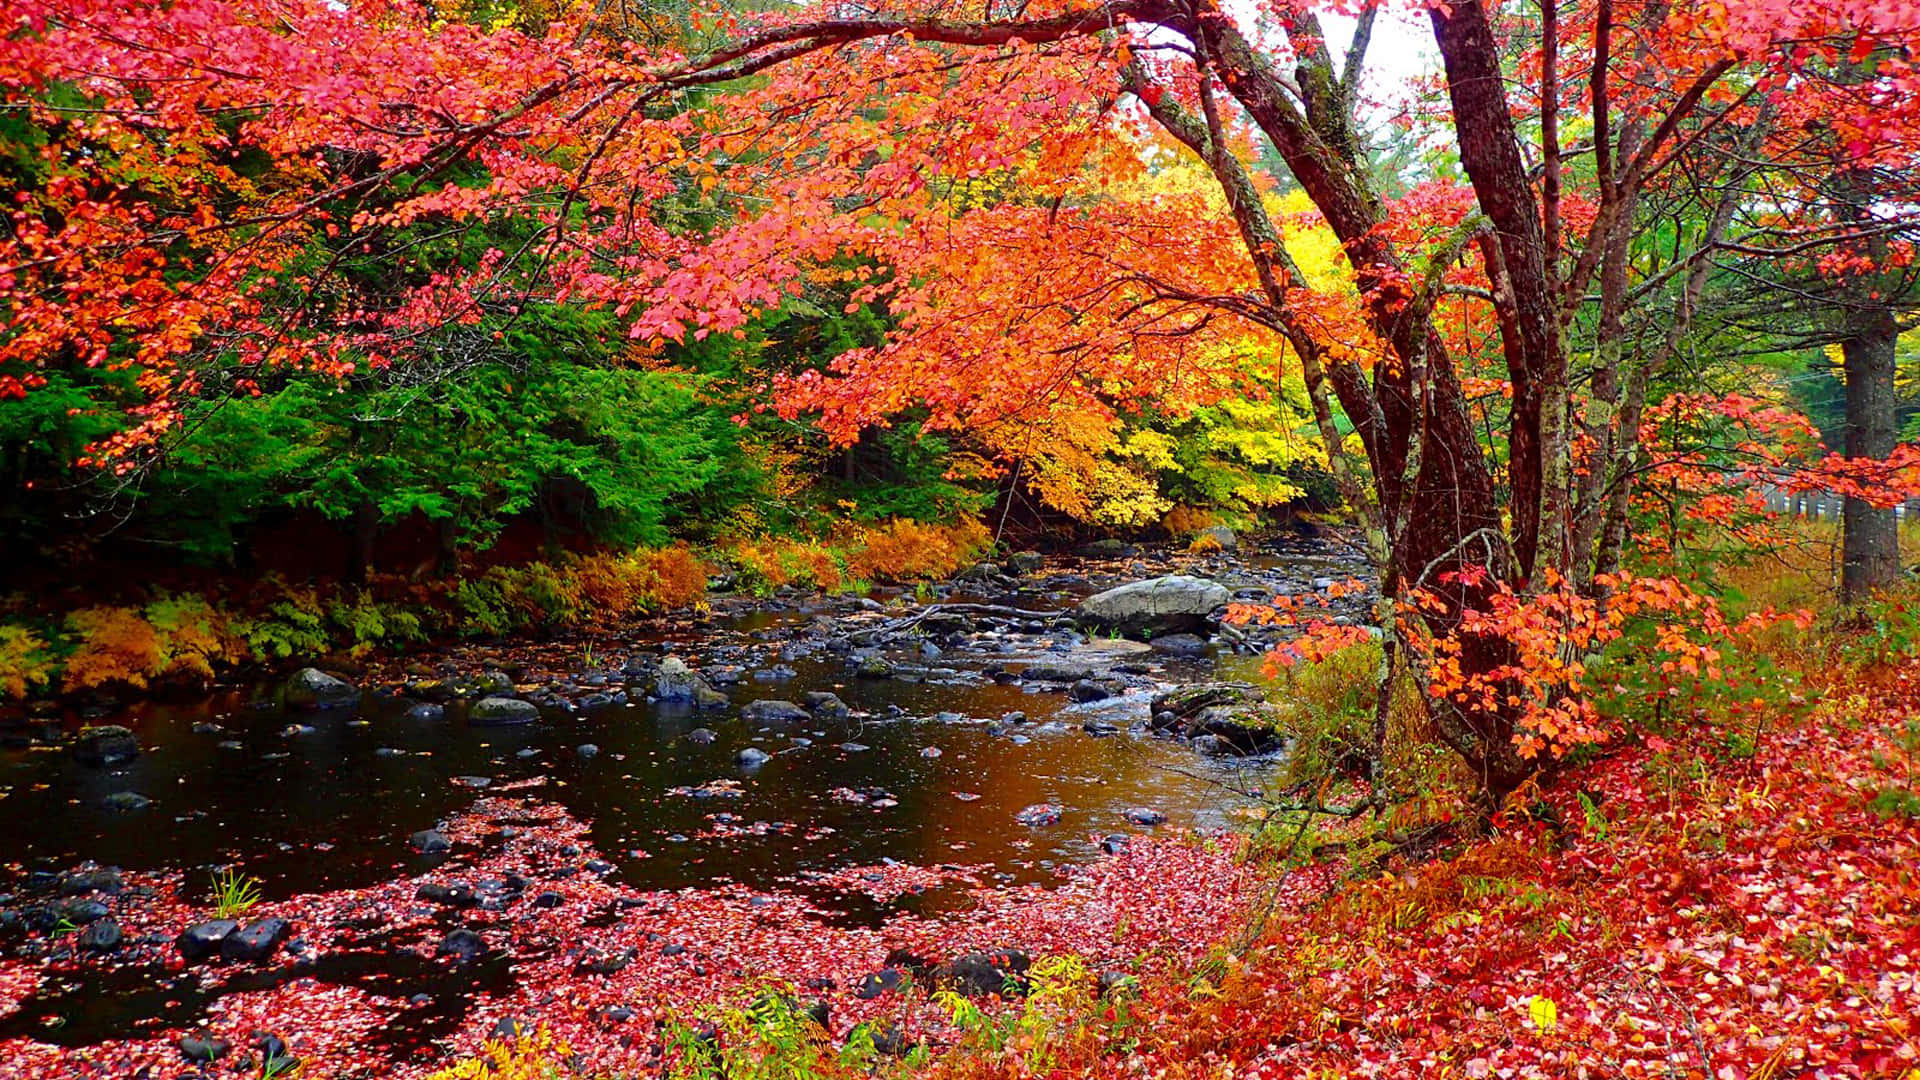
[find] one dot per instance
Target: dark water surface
(332, 808)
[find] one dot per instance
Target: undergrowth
(190, 640)
(899, 552)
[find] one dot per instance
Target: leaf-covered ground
(1660, 914)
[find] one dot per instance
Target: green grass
(234, 893)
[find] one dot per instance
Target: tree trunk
(1870, 536)
(366, 530)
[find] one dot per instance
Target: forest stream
(957, 747)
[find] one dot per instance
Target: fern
(294, 625)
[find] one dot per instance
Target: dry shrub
(639, 581)
(679, 578)
(610, 584)
(910, 551)
(1186, 520)
(1205, 544)
(771, 564)
(1500, 872)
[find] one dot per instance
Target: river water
(932, 767)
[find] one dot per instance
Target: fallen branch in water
(1000, 610)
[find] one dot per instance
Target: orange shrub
(770, 564)
(610, 584)
(117, 645)
(908, 550)
(679, 578)
(1186, 520)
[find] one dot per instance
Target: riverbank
(95, 652)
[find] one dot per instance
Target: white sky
(1402, 47)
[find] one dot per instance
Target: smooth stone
(502, 712)
(257, 941)
(1039, 815)
(984, 973)
(771, 711)
(202, 940)
(430, 842)
(102, 936)
(463, 945)
(311, 688)
(874, 984)
(106, 744)
(825, 705)
(203, 1049)
(126, 802)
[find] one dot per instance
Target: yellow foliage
(25, 663)
(534, 1057)
(1311, 241)
(173, 636)
(193, 636)
(117, 645)
(1205, 544)
(899, 551)
(776, 563)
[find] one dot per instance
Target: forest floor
(1664, 912)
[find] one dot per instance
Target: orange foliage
(908, 550)
(1186, 520)
(778, 563)
(117, 645)
(635, 582)
(679, 578)
(1553, 632)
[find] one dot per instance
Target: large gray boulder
(311, 688)
(1163, 605)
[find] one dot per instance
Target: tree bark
(1870, 535)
